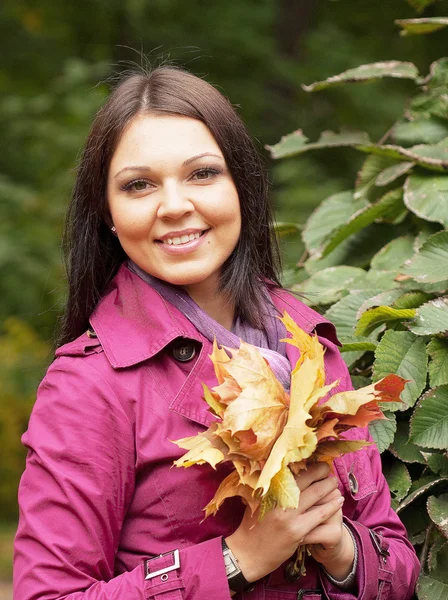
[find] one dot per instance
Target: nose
(175, 202)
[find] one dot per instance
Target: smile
(184, 239)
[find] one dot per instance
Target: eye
(137, 185)
(205, 173)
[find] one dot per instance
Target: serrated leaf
(357, 345)
(430, 263)
(398, 479)
(373, 317)
(343, 313)
(438, 511)
(393, 254)
(427, 197)
(296, 143)
(379, 70)
(439, 543)
(383, 431)
(402, 353)
(371, 169)
(329, 285)
(411, 300)
(437, 462)
(431, 318)
(427, 105)
(438, 365)
(386, 298)
(434, 585)
(421, 487)
(403, 449)
(420, 131)
(430, 156)
(392, 173)
(359, 220)
(429, 423)
(330, 214)
(421, 26)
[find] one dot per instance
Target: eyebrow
(184, 164)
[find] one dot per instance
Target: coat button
(353, 483)
(184, 350)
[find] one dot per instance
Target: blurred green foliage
(258, 51)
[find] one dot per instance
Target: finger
(313, 473)
(331, 496)
(316, 516)
(316, 492)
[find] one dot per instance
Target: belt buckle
(176, 558)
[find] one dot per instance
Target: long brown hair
(93, 253)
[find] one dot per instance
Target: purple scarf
(267, 340)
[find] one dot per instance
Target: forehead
(154, 138)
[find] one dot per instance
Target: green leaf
(383, 432)
(427, 105)
(402, 353)
(394, 254)
(420, 5)
(343, 313)
(363, 217)
(411, 300)
(379, 70)
(421, 26)
(438, 511)
(420, 487)
(420, 131)
(427, 197)
(330, 214)
(386, 298)
(430, 156)
(398, 480)
(284, 229)
(437, 79)
(296, 143)
(437, 462)
(437, 350)
(373, 317)
(434, 585)
(429, 423)
(328, 286)
(438, 545)
(357, 345)
(371, 169)
(430, 263)
(392, 173)
(403, 449)
(431, 318)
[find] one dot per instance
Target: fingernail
(341, 500)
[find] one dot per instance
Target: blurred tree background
(57, 61)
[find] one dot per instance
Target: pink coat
(99, 494)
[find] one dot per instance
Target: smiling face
(173, 201)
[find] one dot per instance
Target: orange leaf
(229, 487)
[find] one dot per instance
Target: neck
(216, 304)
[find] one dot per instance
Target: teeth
(176, 241)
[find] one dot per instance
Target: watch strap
(237, 581)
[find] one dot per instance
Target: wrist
(339, 562)
(247, 561)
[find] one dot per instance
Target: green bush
(376, 265)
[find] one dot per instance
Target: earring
(114, 230)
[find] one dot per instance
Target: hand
(331, 545)
(261, 547)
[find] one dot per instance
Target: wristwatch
(235, 577)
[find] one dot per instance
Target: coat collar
(133, 322)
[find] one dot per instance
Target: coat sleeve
(73, 498)
(387, 564)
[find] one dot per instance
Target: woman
(169, 245)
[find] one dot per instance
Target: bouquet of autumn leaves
(267, 433)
